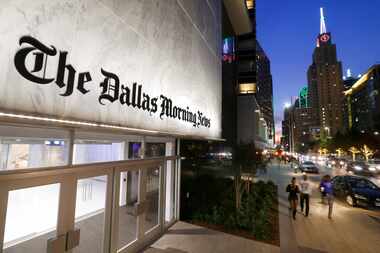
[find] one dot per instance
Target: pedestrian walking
(322, 189)
(329, 191)
(293, 191)
(305, 194)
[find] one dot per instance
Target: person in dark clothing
(328, 189)
(322, 189)
(293, 191)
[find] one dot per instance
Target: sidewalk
(352, 230)
(187, 238)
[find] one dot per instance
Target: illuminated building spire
(323, 23)
(349, 74)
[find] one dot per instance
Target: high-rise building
(264, 94)
(348, 82)
(286, 139)
(364, 103)
(251, 126)
(326, 84)
(304, 98)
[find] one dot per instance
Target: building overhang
(238, 13)
(45, 121)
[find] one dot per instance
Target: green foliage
(253, 216)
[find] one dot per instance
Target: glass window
(31, 218)
(134, 150)
(88, 151)
(152, 198)
(127, 226)
(21, 153)
(89, 213)
(154, 149)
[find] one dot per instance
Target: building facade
(287, 125)
(264, 94)
(363, 102)
(95, 99)
(326, 84)
(303, 128)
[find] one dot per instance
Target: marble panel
(151, 42)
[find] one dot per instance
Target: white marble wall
(171, 47)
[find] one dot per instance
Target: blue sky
(287, 30)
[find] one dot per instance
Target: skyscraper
(304, 98)
(326, 84)
(264, 94)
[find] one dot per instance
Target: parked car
(309, 167)
(356, 191)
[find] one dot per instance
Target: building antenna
(323, 23)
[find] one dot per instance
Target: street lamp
(327, 129)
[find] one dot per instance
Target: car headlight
(333, 162)
(372, 169)
(359, 196)
(341, 163)
(358, 168)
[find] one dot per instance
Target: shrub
(253, 215)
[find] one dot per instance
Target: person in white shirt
(305, 194)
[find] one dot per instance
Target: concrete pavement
(351, 230)
(187, 238)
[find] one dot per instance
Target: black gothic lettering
(82, 79)
(146, 102)
(125, 97)
(139, 97)
(154, 105)
(20, 59)
(110, 87)
(111, 91)
(62, 67)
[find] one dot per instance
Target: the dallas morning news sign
(69, 80)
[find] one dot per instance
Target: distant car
(358, 168)
(342, 163)
(337, 162)
(309, 167)
(356, 191)
(374, 166)
(332, 161)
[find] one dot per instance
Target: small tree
(367, 152)
(339, 151)
(353, 150)
(245, 160)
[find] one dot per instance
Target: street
(350, 230)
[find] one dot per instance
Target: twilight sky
(287, 30)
